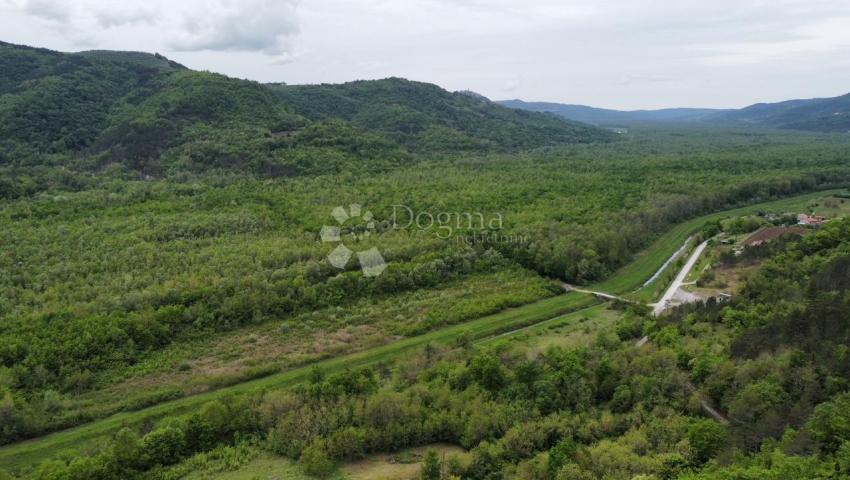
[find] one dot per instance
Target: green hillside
(53, 103)
(144, 114)
(817, 114)
(425, 117)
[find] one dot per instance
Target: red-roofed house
(812, 220)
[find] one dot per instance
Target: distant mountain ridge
(817, 114)
(605, 116)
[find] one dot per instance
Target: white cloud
(511, 84)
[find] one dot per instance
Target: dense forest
(774, 361)
(100, 282)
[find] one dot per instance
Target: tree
(164, 446)
(454, 466)
(561, 454)
(706, 437)
(486, 370)
(431, 466)
(126, 449)
(485, 460)
(830, 422)
(571, 471)
(350, 443)
(622, 400)
(703, 365)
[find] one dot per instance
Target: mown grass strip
(88, 437)
(534, 329)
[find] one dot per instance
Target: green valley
(204, 276)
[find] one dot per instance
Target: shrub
(164, 446)
(430, 466)
(316, 461)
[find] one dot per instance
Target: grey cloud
(259, 25)
(48, 10)
(115, 17)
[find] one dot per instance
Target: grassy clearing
(265, 466)
(256, 464)
(404, 465)
(830, 207)
(631, 277)
(87, 438)
(571, 330)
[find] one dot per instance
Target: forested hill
(99, 110)
(817, 114)
(424, 117)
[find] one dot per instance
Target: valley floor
(523, 323)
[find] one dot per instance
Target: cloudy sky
(615, 53)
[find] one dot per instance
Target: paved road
(667, 263)
(659, 307)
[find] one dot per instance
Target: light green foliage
(316, 461)
(431, 469)
(830, 422)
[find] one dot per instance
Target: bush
(164, 446)
(316, 461)
(487, 371)
(348, 444)
(430, 466)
